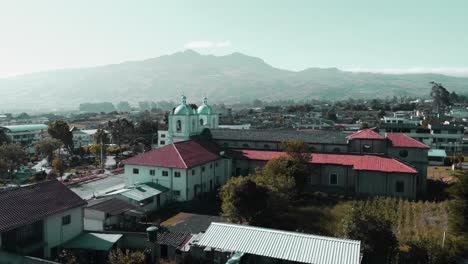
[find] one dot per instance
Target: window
(211, 166)
(266, 146)
(201, 122)
(216, 164)
(366, 148)
(66, 220)
(193, 172)
(403, 153)
(152, 172)
(333, 178)
(177, 174)
(165, 173)
(162, 142)
(245, 145)
(136, 171)
(312, 149)
(176, 193)
(203, 168)
(400, 187)
(225, 144)
(337, 150)
(178, 126)
(163, 135)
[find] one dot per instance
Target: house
(354, 175)
(186, 168)
(437, 157)
(36, 220)
(26, 135)
(252, 244)
(82, 137)
(111, 214)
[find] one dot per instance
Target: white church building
(186, 121)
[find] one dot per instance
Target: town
(178, 184)
(233, 132)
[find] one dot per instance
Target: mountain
(229, 79)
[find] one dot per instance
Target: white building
(37, 219)
(26, 135)
(185, 122)
(186, 168)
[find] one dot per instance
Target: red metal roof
(366, 162)
(402, 140)
(366, 134)
(182, 155)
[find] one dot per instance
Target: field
(410, 220)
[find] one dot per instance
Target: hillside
(231, 78)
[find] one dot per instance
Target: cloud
(203, 44)
(459, 72)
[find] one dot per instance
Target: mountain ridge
(230, 78)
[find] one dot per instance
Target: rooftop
(113, 206)
(402, 140)
(182, 155)
(25, 205)
(190, 223)
(366, 134)
(318, 137)
(278, 244)
(144, 191)
(358, 162)
(25, 128)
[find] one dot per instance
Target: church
(364, 163)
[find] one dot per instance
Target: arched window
(312, 149)
(193, 124)
(403, 153)
(245, 145)
(337, 150)
(266, 146)
(178, 125)
(366, 148)
(201, 122)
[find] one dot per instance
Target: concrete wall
(376, 146)
(93, 220)
(55, 233)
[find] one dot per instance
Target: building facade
(26, 135)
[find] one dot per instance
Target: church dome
(183, 108)
(205, 109)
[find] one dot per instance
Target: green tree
(295, 163)
(101, 137)
(12, 156)
(147, 129)
(243, 200)
(458, 217)
(440, 95)
(60, 130)
(57, 164)
(46, 147)
(3, 137)
(118, 256)
(378, 242)
(364, 125)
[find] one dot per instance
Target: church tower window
(178, 126)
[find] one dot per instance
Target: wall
(93, 220)
(55, 233)
(377, 146)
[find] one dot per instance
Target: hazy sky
(39, 35)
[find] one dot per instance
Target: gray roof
(317, 137)
(292, 246)
(191, 223)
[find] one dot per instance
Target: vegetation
(12, 156)
(47, 147)
(60, 130)
(118, 256)
(458, 206)
(440, 95)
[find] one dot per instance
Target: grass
(410, 220)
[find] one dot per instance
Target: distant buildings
(26, 135)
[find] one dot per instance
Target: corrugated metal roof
(25, 128)
(278, 244)
(437, 153)
(144, 191)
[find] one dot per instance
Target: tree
(101, 137)
(57, 164)
(378, 242)
(66, 257)
(364, 125)
(12, 156)
(147, 129)
(60, 130)
(3, 137)
(118, 256)
(330, 116)
(294, 164)
(124, 106)
(121, 131)
(440, 95)
(454, 98)
(381, 113)
(243, 200)
(46, 147)
(458, 218)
